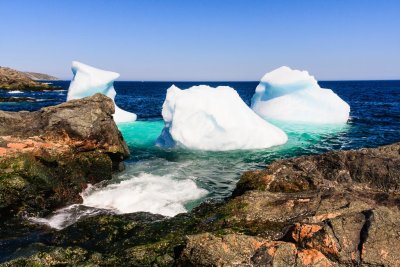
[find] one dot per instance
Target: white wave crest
(146, 192)
(66, 216)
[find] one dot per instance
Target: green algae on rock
(323, 210)
(48, 157)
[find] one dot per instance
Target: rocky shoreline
(48, 157)
(335, 209)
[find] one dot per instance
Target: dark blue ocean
(169, 181)
(375, 105)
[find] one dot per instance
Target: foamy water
(146, 192)
(156, 194)
(172, 181)
(66, 216)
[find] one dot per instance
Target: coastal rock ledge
(336, 209)
(48, 157)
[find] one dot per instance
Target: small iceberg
(295, 96)
(15, 92)
(88, 81)
(215, 119)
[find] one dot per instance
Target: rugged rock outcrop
(11, 79)
(336, 209)
(48, 157)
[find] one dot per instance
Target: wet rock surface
(49, 156)
(336, 209)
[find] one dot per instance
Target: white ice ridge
(295, 96)
(88, 81)
(216, 119)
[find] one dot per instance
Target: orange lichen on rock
(17, 146)
(329, 246)
(3, 151)
(303, 231)
(256, 243)
(271, 250)
(44, 145)
(312, 257)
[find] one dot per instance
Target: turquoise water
(172, 181)
(217, 172)
(169, 181)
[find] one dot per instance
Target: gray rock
(48, 157)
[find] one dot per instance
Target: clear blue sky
(203, 39)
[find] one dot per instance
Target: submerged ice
(295, 96)
(216, 119)
(88, 81)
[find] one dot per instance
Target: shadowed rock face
(48, 157)
(336, 209)
(374, 169)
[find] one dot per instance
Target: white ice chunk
(217, 119)
(295, 96)
(88, 81)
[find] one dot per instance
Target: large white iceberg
(216, 119)
(295, 96)
(88, 81)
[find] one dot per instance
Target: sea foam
(67, 216)
(146, 192)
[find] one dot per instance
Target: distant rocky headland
(11, 79)
(340, 208)
(40, 76)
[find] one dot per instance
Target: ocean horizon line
(250, 81)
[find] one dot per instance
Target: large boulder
(48, 157)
